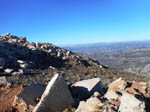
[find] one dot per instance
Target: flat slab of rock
(88, 86)
(30, 93)
(56, 96)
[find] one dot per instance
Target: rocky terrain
(82, 96)
(19, 58)
(26, 68)
(132, 57)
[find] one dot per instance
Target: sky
(66, 22)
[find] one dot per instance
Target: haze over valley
(132, 56)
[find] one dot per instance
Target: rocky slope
(121, 96)
(23, 63)
(20, 58)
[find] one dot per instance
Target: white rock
(24, 65)
(67, 53)
(89, 86)
(14, 40)
(8, 70)
(91, 105)
(20, 61)
(58, 54)
(56, 96)
(112, 95)
(37, 44)
(30, 46)
(51, 67)
(129, 103)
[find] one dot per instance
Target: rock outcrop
(26, 100)
(85, 88)
(129, 103)
(19, 57)
(56, 96)
(121, 96)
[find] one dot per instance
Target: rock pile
(17, 56)
(20, 57)
(121, 96)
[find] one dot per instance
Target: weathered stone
(119, 84)
(56, 96)
(91, 105)
(67, 53)
(17, 73)
(96, 94)
(129, 103)
(15, 40)
(30, 93)
(7, 96)
(5, 35)
(22, 39)
(140, 86)
(112, 95)
(31, 46)
(24, 65)
(8, 70)
(88, 86)
(20, 61)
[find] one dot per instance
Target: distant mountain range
(132, 56)
(112, 46)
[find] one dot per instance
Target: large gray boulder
(30, 93)
(56, 96)
(129, 103)
(87, 87)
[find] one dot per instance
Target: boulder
(91, 105)
(129, 103)
(87, 87)
(8, 70)
(140, 86)
(27, 97)
(119, 84)
(96, 104)
(112, 95)
(22, 39)
(56, 96)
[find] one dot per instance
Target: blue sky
(63, 22)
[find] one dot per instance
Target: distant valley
(132, 57)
